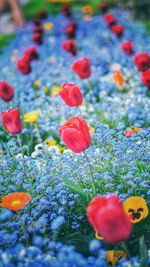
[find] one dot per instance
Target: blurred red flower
(75, 134)
(107, 216)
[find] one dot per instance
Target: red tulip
(103, 6)
(70, 46)
(11, 121)
(127, 47)
(145, 77)
(82, 67)
(42, 14)
(37, 38)
(37, 22)
(109, 219)
(6, 91)
(142, 61)
(109, 19)
(118, 30)
(38, 29)
(66, 10)
(71, 94)
(75, 134)
(73, 24)
(23, 65)
(31, 53)
(70, 32)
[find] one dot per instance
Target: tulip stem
(91, 173)
(37, 133)
(20, 144)
(79, 111)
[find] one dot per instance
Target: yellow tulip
(31, 116)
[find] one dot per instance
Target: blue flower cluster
(52, 230)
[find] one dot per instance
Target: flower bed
(74, 154)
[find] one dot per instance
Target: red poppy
(23, 65)
(11, 121)
(31, 53)
(145, 77)
(127, 47)
(75, 134)
(70, 46)
(118, 30)
(142, 61)
(71, 94)
(15, 201)
(6, 91)
(107, 216)
(82, 67)
(109, 19)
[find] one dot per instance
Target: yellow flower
(113, 256)
(50, 142)
(136, 208)
(37, 83)
(61, 148)
(45, 89)
(55, 91)
(1, 151)
(118, 78)
(53, 142)
(48, 26)
(98, 236)
(91, 129)
(31, 116)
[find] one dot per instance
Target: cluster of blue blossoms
(52, 230)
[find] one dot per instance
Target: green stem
(91, 174)
(79, 111)
(125, 248)
(37, 133)
(23, 228)
(20, 144)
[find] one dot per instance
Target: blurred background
(140, 10)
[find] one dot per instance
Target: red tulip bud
(6, 91)
(75, 134)
(11, 121)
(71, 94)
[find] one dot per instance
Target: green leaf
(85, 198)
(143, 252)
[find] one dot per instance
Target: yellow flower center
(16, 204)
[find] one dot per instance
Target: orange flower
(118, 78)
(87, 9)
(130, 132)
(15, 201)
